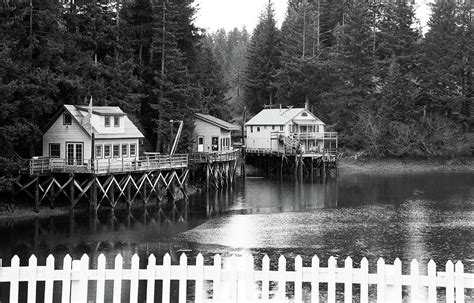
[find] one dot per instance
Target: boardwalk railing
(236, 280)
(214, 156)
(43, 165)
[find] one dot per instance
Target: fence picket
(397, 281)
(459, 282)
(431, 281)
(150, 273)
(66, 282)
(79, 286)
(135, 266)
(15, 278)
(100, 279)
(281, 291)
(380, 280)
(233, 279)
(166, 278)
(415, 281)
(348, 280)
(315, 279)
(199, 278)
(117, 296)
(299, 279)
(332, 264)
(32, 271)
(265, 278)
(216, 282)
(364, 284)
(449, 282)
(183, 269)
(49, 282)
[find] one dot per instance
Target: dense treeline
(363, 67)
(366, 69)
(145, 56)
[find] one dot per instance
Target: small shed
(74, 130)
(212, 134)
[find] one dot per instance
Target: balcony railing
(45, 165)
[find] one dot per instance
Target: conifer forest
(365, 68)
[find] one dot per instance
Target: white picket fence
(236, 280)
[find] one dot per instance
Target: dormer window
(116, 121)
(67, 119)
(107, 121)
(304, 115)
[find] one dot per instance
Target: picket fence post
(332, 264)
(415, 281)
(298, 279)
(15, 278)
(166, 278)
(432, 282)
(150, 284)
(117, 296)
(315, 279)
(199, 278)
(364, 285)
(48, 286)
(216, 282)
(265, 277)
(459, 282)
(100, 279)
(449, 282)
(66, 281)
(32, 266)
(79, 286)
(183, 267)
(281, 292)
(348, 280)
(134, 278)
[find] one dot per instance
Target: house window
(258, 129)
(133, 150)
(116, 150)
(214, 143)
(98, 151)
(55, 150)
(281, 127)
(251, 129)
(124, 150)
(107, 151)
(273, 127)
(264, 127)
(304, 115)
(116, 121)
(107, 121)
(67, 119)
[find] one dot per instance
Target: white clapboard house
(287, 130)
(72, 132)
(212, 134)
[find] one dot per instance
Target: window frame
(116, 119)
(106, 121)
(59, 150)
(109, 146)
(69, 116)
(101, 149)
(124, 155)
(134, 154)
(118, 150)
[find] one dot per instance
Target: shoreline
(387, 166)
(347, 166)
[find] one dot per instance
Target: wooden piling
(37, 201)
(71, 190)
(93, 196)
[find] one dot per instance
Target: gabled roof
(217, 122)
(79, 112)
(276, 116)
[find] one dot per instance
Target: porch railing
(214, 156)
(42, 165)
(236, 279)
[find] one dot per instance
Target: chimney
(306, 103)
(280, 108)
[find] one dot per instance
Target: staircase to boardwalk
(291, 143)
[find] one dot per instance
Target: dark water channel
(417, 215)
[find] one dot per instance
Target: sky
(228, 14)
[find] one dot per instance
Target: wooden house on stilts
(290, 140)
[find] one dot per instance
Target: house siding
(59, 133)
(207, 131)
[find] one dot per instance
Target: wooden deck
(214, 156)
(328, 155)
(48, 165)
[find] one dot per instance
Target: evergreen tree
(263, 62)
